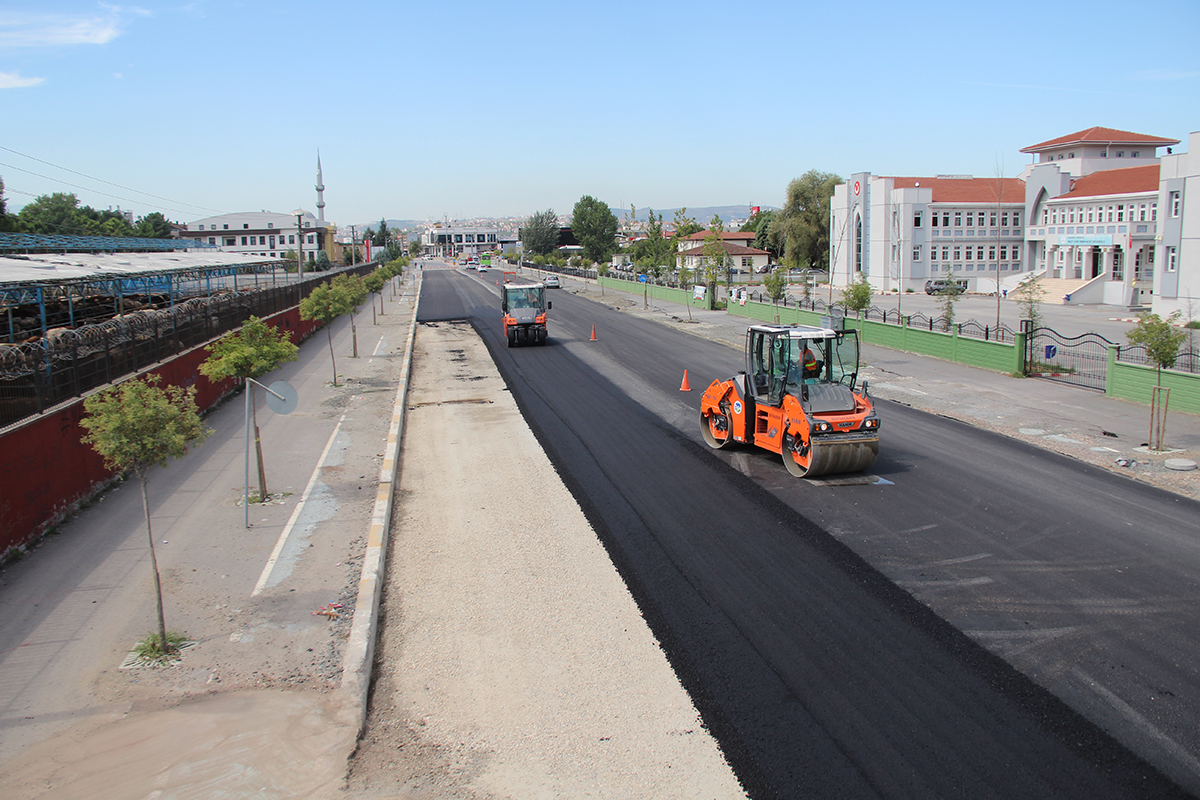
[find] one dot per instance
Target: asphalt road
(845, 637)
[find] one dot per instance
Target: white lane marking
(379, 347)
(1140, 722)
(287, 529)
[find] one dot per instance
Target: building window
(311, 239)
(1118, 267)
(291, 238)
(1133, 153)
(1004, 220)
(1154, 212)
(243, 241)
(917, 219)
(945, 219)
(1110, 213)
(858, 243)
(1175, 205)
(230, 241)
(992, 253)
(1120, 212)
(1004, 252)
(202, 226)
(970, 220)
(916, 252)
(245, 226)
(225, 226)
(1120, 154)
(958, 253)
(1172, 259)
(270, 225)
(945, 254)
(934, 217)
(212, 240)
(1091, 214)
(958, 219)
(747, 261)
(992, 220)
(1045, 216)
(1016, 219)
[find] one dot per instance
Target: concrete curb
(360, 645)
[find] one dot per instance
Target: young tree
(1029, 296)
(857, 296)
(325, 304)
(415, 248)
(595, 226)
(948, 298)
(251, 352)
(539, 234)
(373, 284)
(714, 257)
(355, 292)
(775, 282)
(1161, 338)
(1162, 341)
(137, 425)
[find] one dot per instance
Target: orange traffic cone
(593, 332)
(683, 387)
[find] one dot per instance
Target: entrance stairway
(1058, 288)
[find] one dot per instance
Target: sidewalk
(1077, 422)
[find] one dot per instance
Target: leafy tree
(415, 248)
(137, 425)
(1161, 338)
(539, 234)
(857, 296)
(801, 229)
(1162, 341)
(595, 226)
(54, 213)
(153, 226)
(685, 226)
(251, 352)
(325, 303)
(382, 236)
(655, 253)
(775, 282)
(374, 282)
(760, 225)
(7, 222)
(321, 262)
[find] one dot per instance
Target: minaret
(320, 191)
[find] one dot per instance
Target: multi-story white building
(1177, 239)
(1086, 211)
(902, 231)
(450, 241)
(263, 233)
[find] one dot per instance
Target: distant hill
(702, 214)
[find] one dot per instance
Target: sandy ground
(487, 683)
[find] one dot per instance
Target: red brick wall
(45, 470)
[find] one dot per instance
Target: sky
(461, 109)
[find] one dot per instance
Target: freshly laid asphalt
(1079, 422)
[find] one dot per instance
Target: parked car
(943, 286)
(552, 282)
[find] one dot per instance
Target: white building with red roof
(1085, 214)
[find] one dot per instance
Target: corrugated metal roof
(62, 267)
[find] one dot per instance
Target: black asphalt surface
(799, 615)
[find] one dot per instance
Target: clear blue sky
(467, 109)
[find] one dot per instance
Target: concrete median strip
(360, 645)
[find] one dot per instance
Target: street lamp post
(299, 243)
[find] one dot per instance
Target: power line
(101, 180)
(85, 188)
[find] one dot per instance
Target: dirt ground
(512, 660)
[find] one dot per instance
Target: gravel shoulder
(512, 661)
